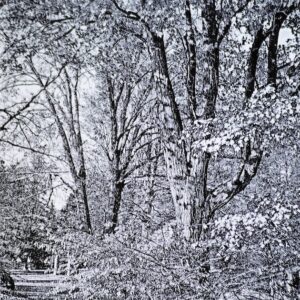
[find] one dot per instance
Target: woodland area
(153, 146)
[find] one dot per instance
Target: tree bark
(192, 62)
(187, 175)
(259, 38)
(278, 20)
(118, 187)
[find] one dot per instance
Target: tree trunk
(187, 171)
(188, 188)
(187, 174)
(117, 191)
(81, 194)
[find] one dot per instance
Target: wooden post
(69, 265)
(29, 263)
(55, 269)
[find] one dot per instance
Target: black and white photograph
(150, 149)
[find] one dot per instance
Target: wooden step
(36, 285)
(38, 272)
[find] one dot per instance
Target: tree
(188, 169)
(126, 132)
(63, 103)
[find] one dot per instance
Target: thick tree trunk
(187, 175)
(181, 193)
(188, 188)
